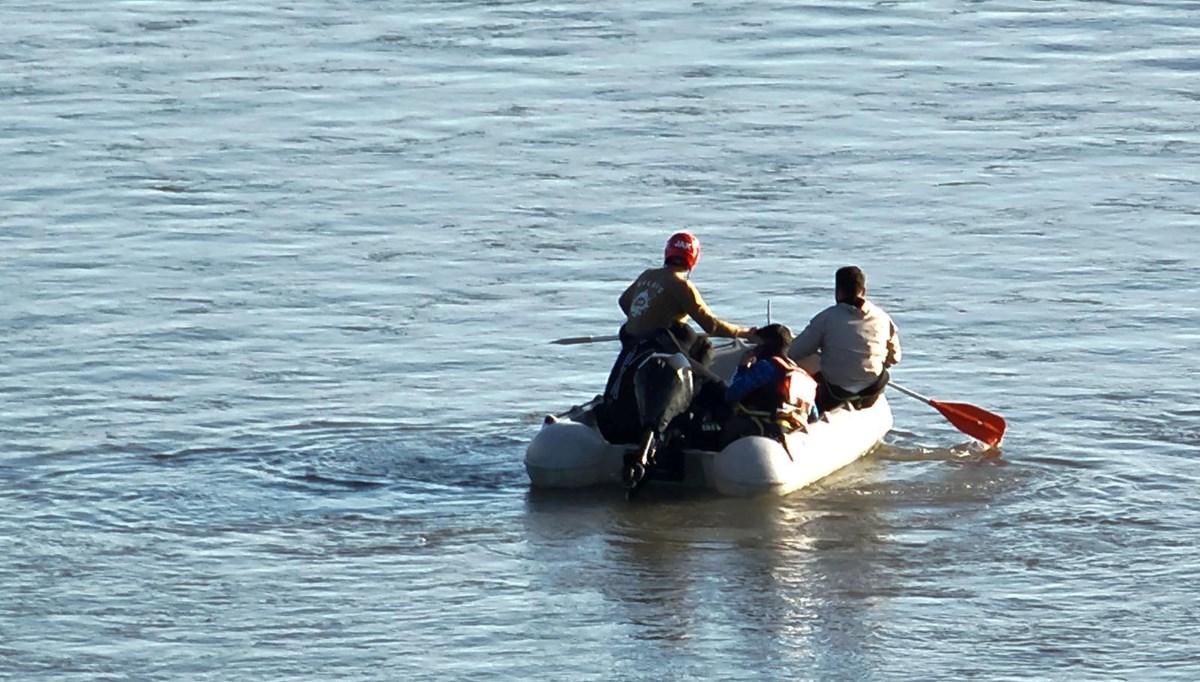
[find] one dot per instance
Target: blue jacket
(746, 379)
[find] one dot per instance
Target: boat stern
(569, 454)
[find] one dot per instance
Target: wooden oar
(976, 422)
(574, 340)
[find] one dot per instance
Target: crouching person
(769, 394)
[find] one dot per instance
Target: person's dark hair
(775, 339)
(849, 285)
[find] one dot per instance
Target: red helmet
(684, 246)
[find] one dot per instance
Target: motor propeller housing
(664, 386)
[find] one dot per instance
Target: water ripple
(281, 281)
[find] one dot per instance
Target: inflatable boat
(569, 451)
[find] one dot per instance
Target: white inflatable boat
(569, 452)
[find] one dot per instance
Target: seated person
(857, 342)
(769, 395)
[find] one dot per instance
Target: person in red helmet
(657, 306)
(665, 297)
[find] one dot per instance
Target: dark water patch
(312, 482)
(166, 25)
(389, 255)
(186, 455)
(464, 473)
(1173, 64)
(360, 456)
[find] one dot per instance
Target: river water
(279, 280)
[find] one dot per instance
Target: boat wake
(971, 451)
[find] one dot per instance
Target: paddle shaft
(913, 394)
(575, 340)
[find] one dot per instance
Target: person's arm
(893, 346)
(626, 299)
(693, 305)
(808, 341)
(704, 373)
(746, 379)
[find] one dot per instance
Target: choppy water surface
(279, 280)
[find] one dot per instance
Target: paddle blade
(976, 422)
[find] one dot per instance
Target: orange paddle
(976, 422)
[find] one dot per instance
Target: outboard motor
(664, 386)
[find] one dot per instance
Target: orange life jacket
(787, 402)
(780, 408)
(797, 389)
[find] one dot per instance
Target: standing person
(856, 341)
(657, 306)
(665, 297)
